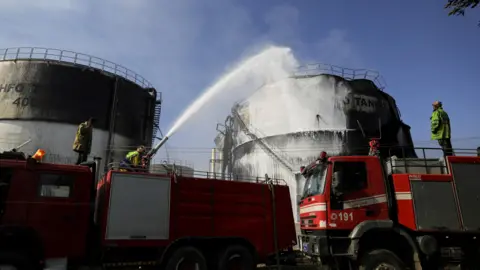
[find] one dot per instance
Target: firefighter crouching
(133, 160)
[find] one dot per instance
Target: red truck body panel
(424, 202)
(412, 208)
(403, 194)
(56, 201)
(355, 205)
(313, 213)
(213, 208)
(61, 222)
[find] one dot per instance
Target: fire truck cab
(44, 209)
(61, 213)
(403, 213)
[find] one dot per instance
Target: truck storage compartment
(467, 181)
(136, 198)
(434, 205)
(416, 165)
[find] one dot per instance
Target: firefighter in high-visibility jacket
(82, 144)
(133, 160)
(440, 128)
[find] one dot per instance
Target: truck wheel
(381, 259)
(186, 258)
(14, 261)
(236, 257)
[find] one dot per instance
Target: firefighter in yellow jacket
(133, 160)
(83, 140)
(440, 128)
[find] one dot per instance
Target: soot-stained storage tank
(46, 93)
(286, 124)
(164, 166)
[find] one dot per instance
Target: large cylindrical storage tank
(45, 94)
(299, 117)
(165, 168)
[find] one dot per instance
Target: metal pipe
(213, 160)
(21, 145)
(154, 149)
(98, 161)
(274, 219)
(111, 129)
(220, 158)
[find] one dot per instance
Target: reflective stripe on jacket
(133, 158)
(440, 125)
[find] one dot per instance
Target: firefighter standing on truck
(440, 128)
(83, 140)
(133, 160)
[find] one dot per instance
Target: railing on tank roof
(186, 172)
(37, 53)
(311, 70)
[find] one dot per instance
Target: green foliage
(457, 7)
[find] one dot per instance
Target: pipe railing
(47, 54)
(311, 70)
(188, 172)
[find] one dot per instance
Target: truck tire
(377, 258)
(17, 261)
(186, 258)
(236, 257)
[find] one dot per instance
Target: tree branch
(457, 7)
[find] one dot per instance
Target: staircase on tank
(276, 154)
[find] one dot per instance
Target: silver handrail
(190, 172)
(315, 69)
(46, 54)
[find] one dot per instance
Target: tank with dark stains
(46, 93)
(287, 124)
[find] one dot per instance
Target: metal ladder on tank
(277, 155)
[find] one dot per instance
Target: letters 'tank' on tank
(286, 124)
(46, 93)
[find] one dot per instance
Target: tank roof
(73, 58)
(312, 70)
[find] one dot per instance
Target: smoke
(310, 106)
(298, 105)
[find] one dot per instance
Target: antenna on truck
(21, 145)
(379, 130)
(361, 129)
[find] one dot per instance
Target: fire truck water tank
(45, 94)
(299, 117)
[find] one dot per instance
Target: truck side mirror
(337, 181)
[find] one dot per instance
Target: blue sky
(182, 46)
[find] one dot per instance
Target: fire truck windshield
(315, 181)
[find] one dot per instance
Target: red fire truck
(399, 213)
(54, 212)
